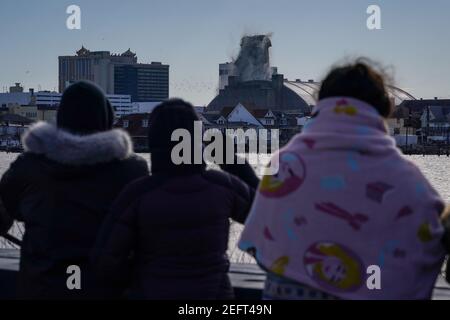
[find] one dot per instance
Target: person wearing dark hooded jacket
(62, 188)
(174, 224)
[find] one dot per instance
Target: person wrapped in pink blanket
(347, 216)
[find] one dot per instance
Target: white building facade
(121, 103)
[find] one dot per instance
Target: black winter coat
(176, 227)
(62, 188)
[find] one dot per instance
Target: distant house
(209, 120)
(14, 120)
(436, 116)
(265, 116)
(284, 119)
(32, 111)
(240, 114)
(47, 113)
(396, 126)
(435, 122)
(418, 106)
(244, 117)
(12, 126)
(230, 117)
(199, 109)
(137, 127)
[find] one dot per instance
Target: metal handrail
(11, 239)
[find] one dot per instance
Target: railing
(236, 255)
(16, 233)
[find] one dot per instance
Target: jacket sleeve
(13, 185)
(6, 220)
(243, 171)
(139, 168)
(111, 254)
(243, 199)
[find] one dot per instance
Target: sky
(194, 36)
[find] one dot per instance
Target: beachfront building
(12, 126)
(122, 104)
(243, 117)
(48, 101)
(145, 107)
(116, 74)
(396, 126)
(31, 112)
(144, 82)
(27, 111)
(435, 124)
(425, 119)
(417, 106)
(47, 113)
(95, 66)
(276, 94)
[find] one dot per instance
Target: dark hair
(84, 109)
(167, 117)
(358, 80)
(164, 120)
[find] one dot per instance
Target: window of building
(145, 123)
(126, 123)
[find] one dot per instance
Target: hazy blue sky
(194, 36)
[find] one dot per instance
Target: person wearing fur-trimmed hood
(62, 187)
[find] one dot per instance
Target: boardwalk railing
(247, 279)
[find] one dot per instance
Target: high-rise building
(116, 74)
(144, 82)
(96, 66)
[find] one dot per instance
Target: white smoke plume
(253, 61)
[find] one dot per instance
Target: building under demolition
(275, 94)
(252, 81)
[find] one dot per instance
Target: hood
(344, 123)
(345, 199)
(66, 148)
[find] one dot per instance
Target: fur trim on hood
(64, 147)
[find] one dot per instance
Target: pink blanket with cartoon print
(345, 199)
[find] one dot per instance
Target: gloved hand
(242, 170)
